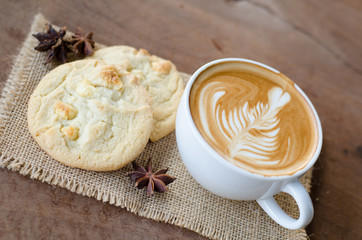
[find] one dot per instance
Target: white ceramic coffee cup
(224, 179)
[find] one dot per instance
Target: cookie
(90, 115)
(159, 76)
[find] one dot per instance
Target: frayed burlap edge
(16, 79)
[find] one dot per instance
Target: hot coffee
(254, 117)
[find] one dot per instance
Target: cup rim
(217, 156)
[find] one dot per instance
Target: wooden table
(318, 44)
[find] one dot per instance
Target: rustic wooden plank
(333, 25)
(318, 44)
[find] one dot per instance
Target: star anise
(82, 43)
(53, 41)
(154, 181)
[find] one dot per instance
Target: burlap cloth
(186, 204)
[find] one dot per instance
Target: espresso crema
(254, 118)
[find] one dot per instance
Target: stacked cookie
(98, 114)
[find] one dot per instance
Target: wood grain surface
(318, 44)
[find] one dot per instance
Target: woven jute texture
(186, 204)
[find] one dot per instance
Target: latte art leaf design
(254, 118)
(252, 132)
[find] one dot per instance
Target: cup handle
(302, 198)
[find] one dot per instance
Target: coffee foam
(254, 118)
